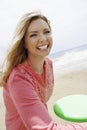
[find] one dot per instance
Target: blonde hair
(18, 52)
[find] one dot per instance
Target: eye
(46, 32)
(33, 35)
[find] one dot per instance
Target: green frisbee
(72, 108)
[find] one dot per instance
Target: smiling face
(38, 39)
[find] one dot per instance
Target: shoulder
(48, 60)
(19, 70)
(19, 73)
(48, 63)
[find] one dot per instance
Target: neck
(37, 64)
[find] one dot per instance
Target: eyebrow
(37, 31)
(33, 32)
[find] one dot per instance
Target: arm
(31, 110)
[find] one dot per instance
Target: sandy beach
(65, 84)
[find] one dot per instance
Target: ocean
(74, 59)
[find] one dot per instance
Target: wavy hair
(18, 53)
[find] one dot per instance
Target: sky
(68, 21)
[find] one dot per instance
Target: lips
(43, 47)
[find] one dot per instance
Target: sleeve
(31, 110)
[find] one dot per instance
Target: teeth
(42, 47)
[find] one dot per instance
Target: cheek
(28, 44)
(33, 41)
(31, 46)
(51, 40)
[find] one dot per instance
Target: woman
(28, 78)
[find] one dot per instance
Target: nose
(42, 38)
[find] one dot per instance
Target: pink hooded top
(25, 97)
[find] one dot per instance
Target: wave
(61, 53)
(71, 61)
